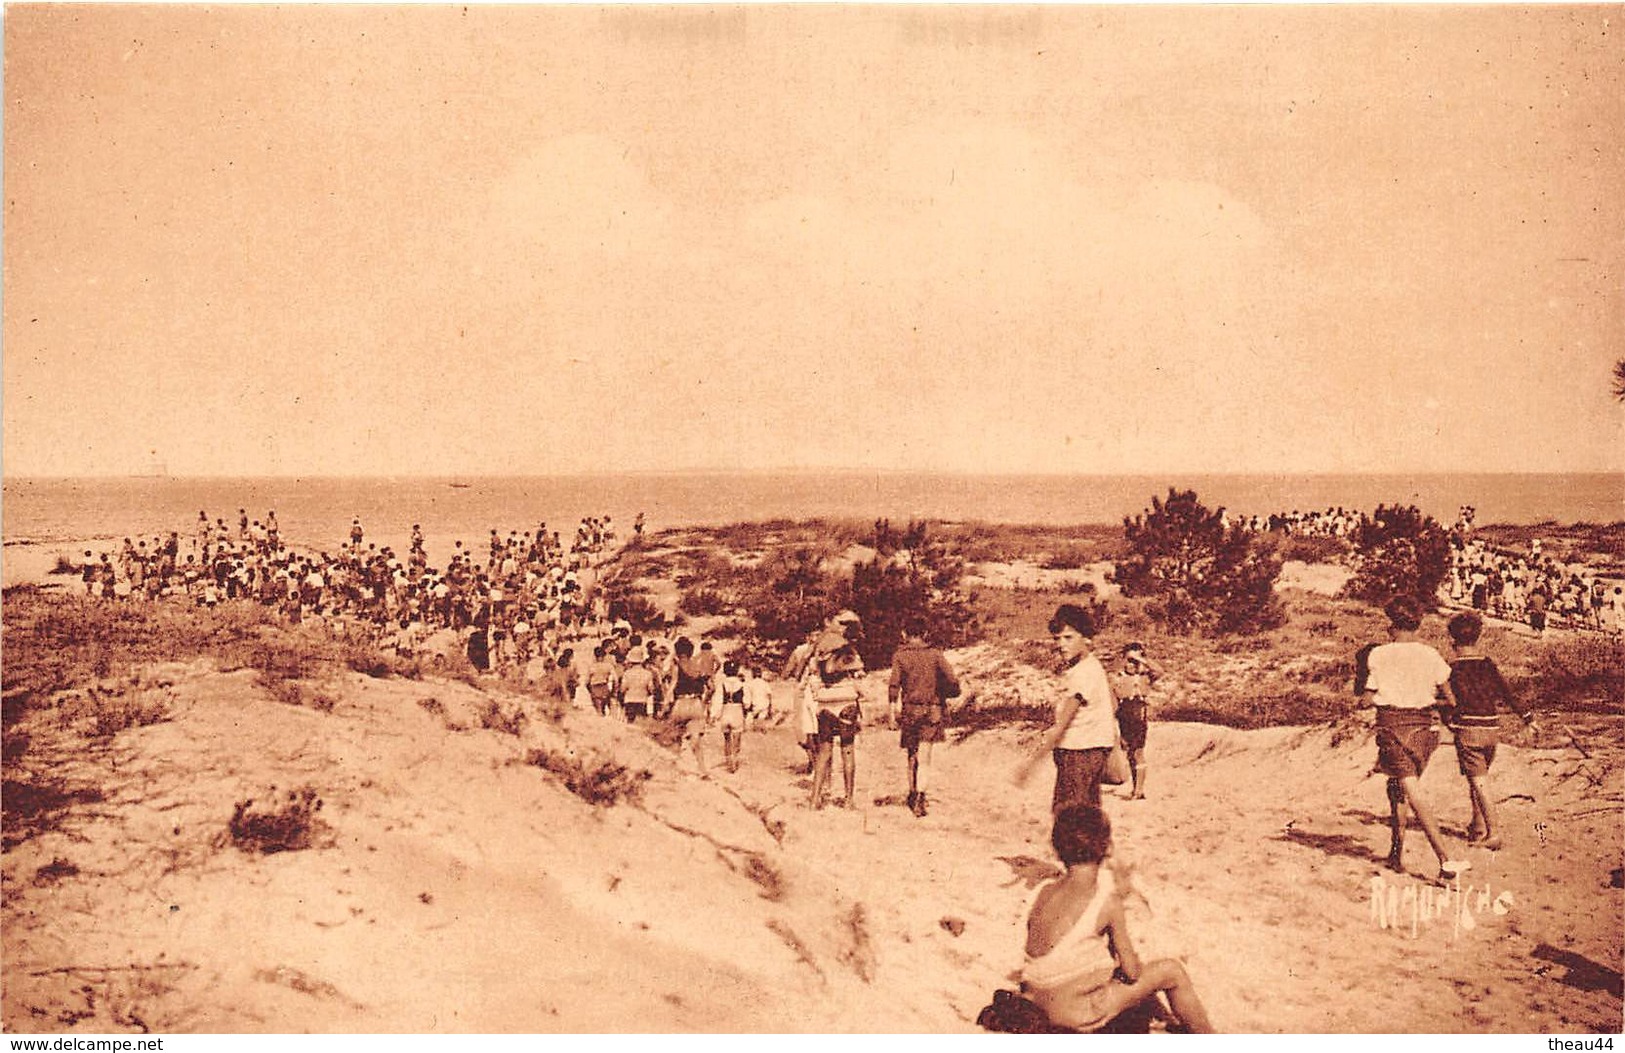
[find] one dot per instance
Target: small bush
(493, 717)
(968, 720)
(54, 871)
(117, 713)
(366, 659)
(290, 827)
(1294, 707)
(278, 659)
(767, 877)
(639, 611)
(1314, 549)
(1333, 672)
(287, 692)
(704, 601)
(1069, 557)
(603, 782)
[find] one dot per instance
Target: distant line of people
(1335, 522)
(523, 600)
(1532, 587)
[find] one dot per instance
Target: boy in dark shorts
(1479, 690)
(833, 675)
(921, 683)
(1133, 688)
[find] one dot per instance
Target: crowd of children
(523, 600)
(1532, 587)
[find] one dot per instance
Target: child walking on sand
(728, 710)
(1404, 679)
(1479, 689)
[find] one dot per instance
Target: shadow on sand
(1331, 844)
(1583, 973)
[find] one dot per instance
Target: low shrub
(1333, 672)
(494, 717)
(116, 713)
(1293, 707)
(638, 609)
(54, 871)
(291, 826)
(278, 659)
(366, 659)
(1069, 557)
(766, 876)
(705, 601)
(968, 720)
(1580, 672)
(601, 781)
(1314, 549)
(287, 692)
(1248, 644)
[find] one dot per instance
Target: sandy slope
(459, 889)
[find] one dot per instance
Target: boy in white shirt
(1405, 680)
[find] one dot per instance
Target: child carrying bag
(1116, 771)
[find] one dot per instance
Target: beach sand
(456, 888)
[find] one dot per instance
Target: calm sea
(317, 512)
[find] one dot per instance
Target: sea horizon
(316, 511)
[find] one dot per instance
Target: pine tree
(1203, 576)
(1398, 551)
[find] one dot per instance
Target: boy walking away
(1404, 679)
(601, 677)
(921, 683)
(1479, 689)
(1135, 680)
(833, 675)
(728, 709)
(758, 696)
(639, 686)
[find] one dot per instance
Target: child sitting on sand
(1080, 966)
(1478, 688)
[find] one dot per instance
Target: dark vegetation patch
(33, 806)
(599, 781)
(1292, 707)
(966, 721)
(287, 825)
(54, 871)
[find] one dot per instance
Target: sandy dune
(457, 888)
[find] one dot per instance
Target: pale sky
(390, 241)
